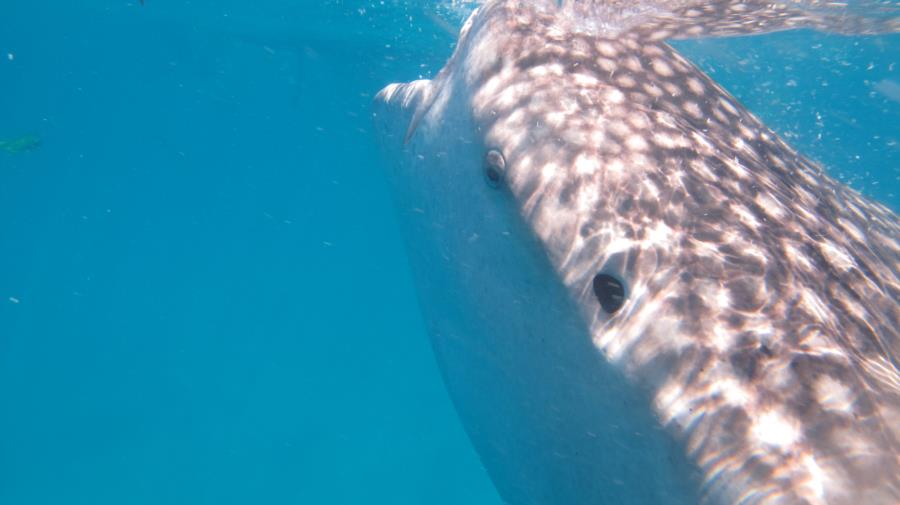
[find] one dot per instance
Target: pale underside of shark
(638, 293)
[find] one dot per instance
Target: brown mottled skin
(762, 318)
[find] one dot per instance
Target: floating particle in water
(889, 89)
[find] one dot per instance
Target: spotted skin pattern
(762, 312)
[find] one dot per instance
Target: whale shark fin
(425, 101)
(415, 98)
(684, 19)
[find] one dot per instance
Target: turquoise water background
(204, 297)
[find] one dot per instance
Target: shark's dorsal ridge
(760, 327)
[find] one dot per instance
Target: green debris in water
(20, 144)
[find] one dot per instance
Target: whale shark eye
(609, 292)
(494, 168)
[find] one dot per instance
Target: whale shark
(636, 292)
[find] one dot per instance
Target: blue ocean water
(203, 292)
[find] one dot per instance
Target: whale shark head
(629, 282)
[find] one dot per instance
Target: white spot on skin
(773, 429)
(597, 137)
(633, 63)
(607, 64)
(639, 161)
(693, 109)
(694, 31)
(816, 477)
(672, 89)
(723, 299)
(586, 165)
(626, 81)
(696, 86)
(703, 147)
(636, 143)
(606, 49)
(662, 68)
(639, 121)
(585, 80)
(653, 90)
(615, 96)
(667, 141)
(851, 230)
(720, 115)
(672, 401)
(619, 128)
(660, 235)
(732, 392)
(737, 169)
(745, 216)
(856, 309)
(652, 51)
(722, 338)
(587, 198)
(505, 99)
(725, 104)
(549, 171)
(555, 118)
(836, 256)
(811, 302)
(550, 69)
(770, 206)
(833, 395)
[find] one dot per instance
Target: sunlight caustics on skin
(762, 309)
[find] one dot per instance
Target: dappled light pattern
(672, 19)
(763, 308)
